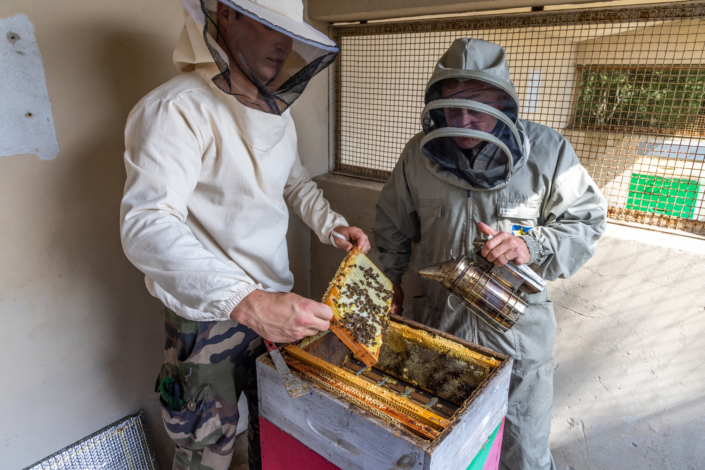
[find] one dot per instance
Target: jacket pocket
(429, 208)
(193, 423)
(517, 217)
(535, 334)
(430, 212)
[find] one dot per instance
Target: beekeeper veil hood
(277, 66)
(470, 118)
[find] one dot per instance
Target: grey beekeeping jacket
(537, 190)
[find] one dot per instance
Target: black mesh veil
(309, 55)
(471, 129)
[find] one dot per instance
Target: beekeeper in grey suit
(478, 170)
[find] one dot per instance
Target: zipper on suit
(468, 250)
(468, 242)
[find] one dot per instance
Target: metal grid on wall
(624, 85)
(124, 445)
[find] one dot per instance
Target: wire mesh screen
(624, 85)
(124, 445)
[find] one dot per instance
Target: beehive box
(431, 402)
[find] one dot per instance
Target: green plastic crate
(660, 195)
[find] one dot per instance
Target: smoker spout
(439, 272)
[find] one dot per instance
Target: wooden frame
(366, 354)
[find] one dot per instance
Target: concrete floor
(240, 457)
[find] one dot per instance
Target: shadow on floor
(240, 456)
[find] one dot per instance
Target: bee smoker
(493, 293)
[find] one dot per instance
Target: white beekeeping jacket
(204, 213)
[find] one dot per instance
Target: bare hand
(503, 247)
(282, 317)
(353, 236)
(397, 300)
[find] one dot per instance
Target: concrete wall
(629, 350)
(355, 10)
(82, 338)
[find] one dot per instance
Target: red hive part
(280, 451)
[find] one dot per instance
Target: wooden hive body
(407, 422)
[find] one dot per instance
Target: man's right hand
(397, 300)
(282, 317)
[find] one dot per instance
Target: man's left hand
(503, 247)
(353, 236)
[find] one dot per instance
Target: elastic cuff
(232, 302)
(339, 222)
(536, 255)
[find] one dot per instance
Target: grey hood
(502, 149)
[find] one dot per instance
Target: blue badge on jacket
(519, 230)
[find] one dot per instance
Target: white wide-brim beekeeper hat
(286, 16)
(312, 51)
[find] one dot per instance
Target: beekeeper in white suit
(212, 168)
(478, 170)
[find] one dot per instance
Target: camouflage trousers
(207, 365)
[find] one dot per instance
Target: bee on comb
(361, 297)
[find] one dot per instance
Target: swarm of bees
(365, 315)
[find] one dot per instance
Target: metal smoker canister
(491, 293)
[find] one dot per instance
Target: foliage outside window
(665, 99)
